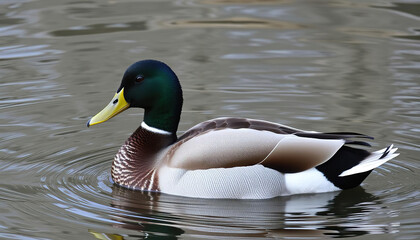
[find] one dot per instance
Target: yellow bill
(117, 105)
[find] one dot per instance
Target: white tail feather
(374, 160)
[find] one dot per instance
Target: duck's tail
(350, 166)
(375, 159)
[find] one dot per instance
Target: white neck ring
(154, 130)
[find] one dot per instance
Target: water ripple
(74, 187)
(331, 65)
(22, 51)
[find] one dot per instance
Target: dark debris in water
(101, 29)
(236, 22)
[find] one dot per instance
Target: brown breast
(134, 164)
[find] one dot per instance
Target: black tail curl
(344, 159)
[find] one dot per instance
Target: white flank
(251, 182)
(371, 162)
(155, 130)
(309, 181)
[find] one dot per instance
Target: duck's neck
(134, 164)
(163, 117)
(165, 113)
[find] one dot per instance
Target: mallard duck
(226, 157)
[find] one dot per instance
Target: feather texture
(226, 157)
(374, 160)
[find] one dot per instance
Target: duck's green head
(151, 85)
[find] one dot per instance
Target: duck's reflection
(338, 214)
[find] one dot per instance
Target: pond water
(327, 65)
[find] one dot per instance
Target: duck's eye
(139, 78)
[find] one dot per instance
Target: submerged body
(226, 157)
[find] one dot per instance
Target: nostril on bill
(115, 101)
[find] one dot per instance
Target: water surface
(319, 65)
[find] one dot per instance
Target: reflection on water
(410, 8)
(407, 8)
(333, 65)
(344, 214)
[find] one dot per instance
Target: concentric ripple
(75, 192)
